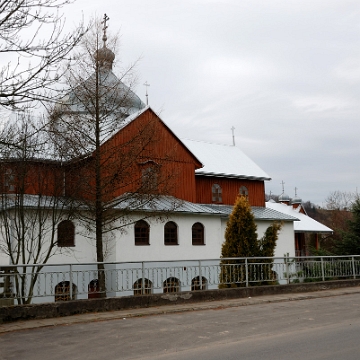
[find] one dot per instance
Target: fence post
(246, 273)
(200, 276)
(353, 267)
(142, 278)
(287, 268)
(71, 283)
(322, 269)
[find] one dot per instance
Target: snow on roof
(306, 223)
(224, 160)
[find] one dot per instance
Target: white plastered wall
(126, 250)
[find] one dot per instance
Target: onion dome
(296, 200)
(284, 198)
(105, 57)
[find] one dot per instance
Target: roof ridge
(208, 142)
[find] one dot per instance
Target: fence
(61, 282)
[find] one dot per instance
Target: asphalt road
(324, 328)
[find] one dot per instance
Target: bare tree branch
(32, 67)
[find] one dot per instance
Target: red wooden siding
(146, 140)
(31, 177)
(230, 190)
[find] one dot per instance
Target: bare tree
(338, 205)
(340, 200)
(32, 45)
(118, 171)
(31, 205)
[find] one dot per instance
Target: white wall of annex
(286, 240)
(126, 250)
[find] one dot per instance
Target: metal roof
(166, 203)
(11, 201)
(224, 161)
(259, 212)
(162, 203)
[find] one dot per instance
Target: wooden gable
(145, 148)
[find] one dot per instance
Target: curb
(171, 309)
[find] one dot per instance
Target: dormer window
(216, 193)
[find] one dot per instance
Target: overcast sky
(285, 74)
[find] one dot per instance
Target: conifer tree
(240, 234)
(268, 241)
(267, 249)
(350, 242)
(241, 240)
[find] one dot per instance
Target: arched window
(243, 191)
(66, 234)
(94, 289)
(171, 285)
(140, 289)
(170, 233)
(198, 234)
(142, 231)
(216, 193)
(62, 291)
(197, 285)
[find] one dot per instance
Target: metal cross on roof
(233, 135)
(146, 94)
(282, 183)
(106, 18)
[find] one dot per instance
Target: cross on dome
(104, 56)
(106, 18)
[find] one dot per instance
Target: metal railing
(61, 282)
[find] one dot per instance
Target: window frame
(62, 291)
(171, 285)
(139, 289)
(66, 234)
(216, 193)
(195, 283)
(243, 191)
(149, 176)
(141, 225)
(171, 237)
(9, 180)
(198, 234)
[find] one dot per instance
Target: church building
(164, 198)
